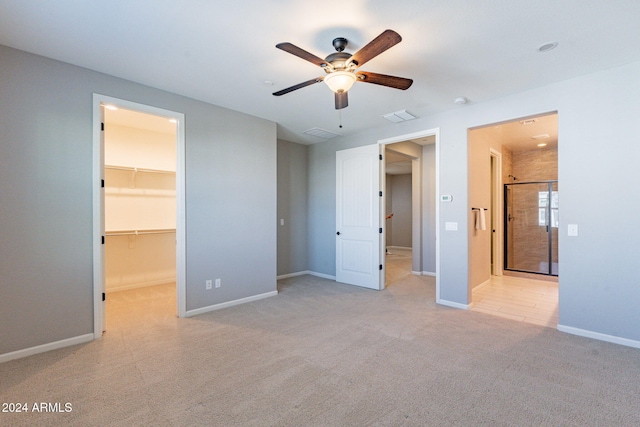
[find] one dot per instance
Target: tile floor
(521, 299)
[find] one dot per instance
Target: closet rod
(140, 232)
(132, 169)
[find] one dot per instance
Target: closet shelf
(140, 232)
(133, 169)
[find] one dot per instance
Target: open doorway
(398, 224)
(410, 205)
(140, 215)
(512, 262)
(138, 212)
(360, 210)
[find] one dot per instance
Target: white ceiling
(523, 134)
(136, 119)
(224, 52)
(396, 163)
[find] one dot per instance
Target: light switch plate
(451, 226)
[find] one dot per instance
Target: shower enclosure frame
(550, 184)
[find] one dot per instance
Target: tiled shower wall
(535, 165)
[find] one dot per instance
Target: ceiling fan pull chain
(340, 119)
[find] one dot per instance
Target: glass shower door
(531, 227)
(554, 211)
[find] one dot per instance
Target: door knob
(338, 233)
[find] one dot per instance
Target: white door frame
(98, 205)
(416, 209)
(435, 132)
(497, 222)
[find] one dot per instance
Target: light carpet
(323, 353)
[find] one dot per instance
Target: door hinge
(381, 194)
(104, 297)
(103, 240)
(102, 126)
(380, 156)
(380, 266)
(102, 183)
(380, 230)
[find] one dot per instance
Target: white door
(359, 259)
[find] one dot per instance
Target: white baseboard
(429, 273)
(191, 313)
(322, 275)
(599, 336)
(454, 304)
(46, 347)
(141, 285)
(481, 285)
(286, 276)
(400, 247)
(309, 272)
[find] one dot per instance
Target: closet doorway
(140, 209)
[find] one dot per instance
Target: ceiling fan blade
(384, 41)
(301, 53)
(298, 86)
(342, 100)
(384, 80)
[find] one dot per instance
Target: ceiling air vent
(320, 133)
(399, 116)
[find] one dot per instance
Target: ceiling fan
(340, 67)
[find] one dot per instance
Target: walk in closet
(140, 200)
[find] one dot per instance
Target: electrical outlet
(218, 283)
(208, 284)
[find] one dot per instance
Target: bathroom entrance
(531, 211)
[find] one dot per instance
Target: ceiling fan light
(340, 81)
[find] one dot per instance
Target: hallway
(398, 264)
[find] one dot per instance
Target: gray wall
(598, 154)
(46, 198)
(388, 208)
(400, 195)
(292, 207)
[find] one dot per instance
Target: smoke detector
(547, 47)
